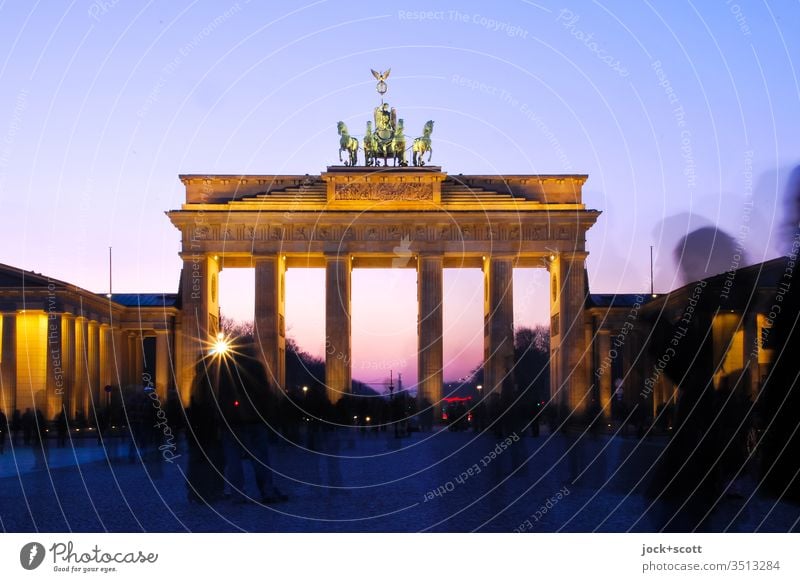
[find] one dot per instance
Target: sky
(683, 114)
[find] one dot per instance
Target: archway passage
(384, 328)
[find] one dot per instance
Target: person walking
(246, 414)
(3, 431)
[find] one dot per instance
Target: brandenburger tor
(391, 211)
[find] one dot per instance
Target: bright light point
(220, 347)
(368, 419)
(305, 388)
(480, 386)
(552, 257)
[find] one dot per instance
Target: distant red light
(236, 403)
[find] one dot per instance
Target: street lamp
(305, 389)
(479, 387)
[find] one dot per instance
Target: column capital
(572, 255)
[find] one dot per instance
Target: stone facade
(421, 218)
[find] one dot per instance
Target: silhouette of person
(3, 431)
(16, 426)
(28, 425)
(204, 474)
(245, 407)
(780, 399)
(707, 251)
(62, 428)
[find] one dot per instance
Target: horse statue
(422, 145)
(370, 147)
(348, 144)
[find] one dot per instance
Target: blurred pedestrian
(62, 428)
(28, 422)
(245, 405)
(3, 431)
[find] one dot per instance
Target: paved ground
(372, 483)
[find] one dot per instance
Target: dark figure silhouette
(4, 429)
(16, 426)
(28, 422)
(246, 413)
(41, 446)
(62, 428)
(705, 252)
(684, 480)
(780, 400)
(204, 475)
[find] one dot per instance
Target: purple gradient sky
(103, 104)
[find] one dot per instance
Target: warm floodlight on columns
(429, 328)
(569, 384)
(498, 360)
(337, 326)
(199, 314)
(270, 327)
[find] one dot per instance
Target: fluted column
(68, 362)
(162, 364)
(93, 361)
(270, 325)
(55, 371)
(604, 370)
(106, 362)
(199, 312)
(337, 326)
(498, 324)
(429, 328)
(138, 354)
(81, 366)
(8, 364)
(568, 295)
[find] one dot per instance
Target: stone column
(270, 325)
(138, 350)
(8, 364)
(429, 328)
(120, 347)
(568, 295)
(55, 371)
(162, 364)
(106, 362)
(93, 360)
(68, 361)
(604, 366)
(200, 314)
(750, 350)
(81, 366)
(337, 326)
(498, 361)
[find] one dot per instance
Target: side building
(730, 314)
(65, 348)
